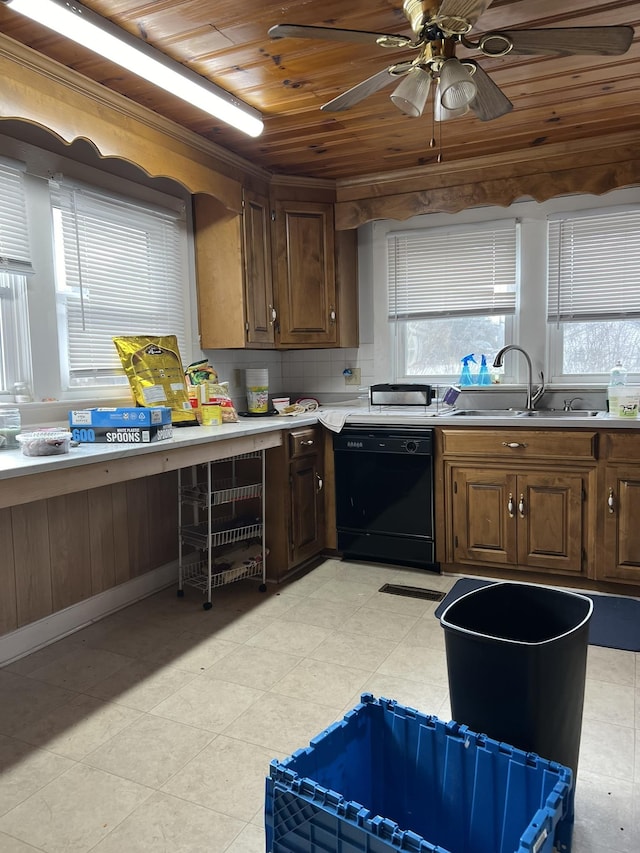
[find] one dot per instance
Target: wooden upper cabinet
(233, 273)
(304, 265)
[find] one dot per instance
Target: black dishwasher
(384, 495)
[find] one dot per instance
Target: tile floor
(152, 730)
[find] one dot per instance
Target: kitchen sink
(521, 413)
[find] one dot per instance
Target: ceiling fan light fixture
(457, 87)
(96, 33)
(410, 95)
(440, 113)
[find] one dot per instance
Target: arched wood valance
(38, 90)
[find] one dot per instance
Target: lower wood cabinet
(619, 507)
(520, 500)
(294, 511)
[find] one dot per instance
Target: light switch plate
(353, 378)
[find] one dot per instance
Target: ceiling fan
(461, 84)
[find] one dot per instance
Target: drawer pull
(307, 443)
(611, 502)
(513, 444)
(510, 505)
(320, 482)
(521, 506)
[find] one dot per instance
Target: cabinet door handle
(274, 314)
(307, 443)
(611, 502)
(332, 315)
(521, 506)
(510, 505)
(513, 444)
(320, 482)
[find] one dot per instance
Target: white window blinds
(444, 272)
(594, 267)
(118, 272)
(15, 253)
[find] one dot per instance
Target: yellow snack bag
(154, 369)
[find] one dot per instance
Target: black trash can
(516, 661)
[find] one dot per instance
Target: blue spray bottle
(484, 377)
(465, 377)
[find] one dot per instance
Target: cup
(623, 401)
(257, 381)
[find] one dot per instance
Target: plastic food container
(45, 442)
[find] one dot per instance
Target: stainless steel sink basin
(520, 413)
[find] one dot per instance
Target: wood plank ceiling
(556, 99)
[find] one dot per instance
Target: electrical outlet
(354, 378)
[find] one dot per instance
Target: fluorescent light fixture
(411, 94)
(92, 31)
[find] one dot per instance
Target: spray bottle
(465, 376)
(484, 377)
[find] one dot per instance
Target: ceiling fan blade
(466, 10)
(361, 91)
(589, 41)
(299, 31)
(490, 101)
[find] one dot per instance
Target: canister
(9, 428)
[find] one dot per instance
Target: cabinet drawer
(302, 442)
(519, 444)
(622, 446)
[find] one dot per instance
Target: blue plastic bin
(388, 778)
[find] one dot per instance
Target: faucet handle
(568, 404)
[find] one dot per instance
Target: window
(118, 272)
(594, 290)
(15, 266)
(452, 291)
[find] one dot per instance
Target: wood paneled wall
(61, 550)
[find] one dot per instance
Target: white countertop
(14, 464)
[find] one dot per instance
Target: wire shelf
(222, 491)
(196, 574)
(198, 536)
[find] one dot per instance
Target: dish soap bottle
(465, 376)
(484, 377)
(617, 374)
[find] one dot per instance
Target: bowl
(45, 442)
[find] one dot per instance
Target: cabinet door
(550, 521)
(258, 282)
(621, 506)
(305, 274)
(483, 516)
(307, 508)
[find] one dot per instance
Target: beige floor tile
(290, 637)
(609, 702)
(26, 665)
(304, 585)
(324, 614)
(141, 685)
(233, 627)
(23, 701)
(228, 775)
(250, 840)
(321, 682)
(427, 632)
(406, 605)
(377, 623)
(277, 603)
(24, 770)
(356, 650)
(77, 728)
(613, 665)
(207, 703)
(75, 811)
(190, 652)
(426, 580)
(14, 845)
(80, 669)
(150, 750)
(254, 667)
(165, 824)
(282, 724)
(131, 639)
(605, 818)
(607, 750)
(416, 664)
(344, 591)
(422, 696)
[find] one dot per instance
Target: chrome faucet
(532, 398)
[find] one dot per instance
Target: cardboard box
(121, 435)
(120, 417)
